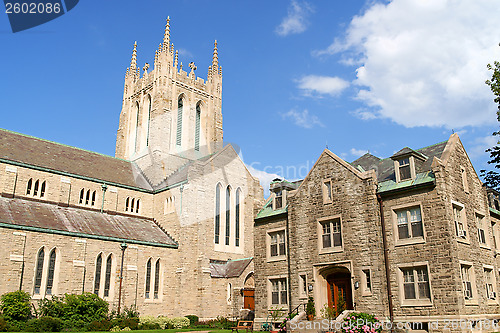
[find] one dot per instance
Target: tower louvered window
(217, 213)
(237, 218)
(179, 122)
(228, 214)
(197, 129)
(149, 120)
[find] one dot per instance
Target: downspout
(104, 188)
(288, 265)
(22, 267)
(386, 261)
(123, 247)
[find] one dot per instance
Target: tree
(492, 177)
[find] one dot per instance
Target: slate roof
(45, 217)
(385, 167)
(26, 150)
(230, 268)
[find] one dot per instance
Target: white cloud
(480, 144)
(423, 62)
(265, 178)
(303, 119)
(185, 53)
(364, 114)
(322, 85)
(296, 20)
(358, 152)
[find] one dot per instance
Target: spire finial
(133, 63)
(176, 58)
(215, 59)
(166, 36)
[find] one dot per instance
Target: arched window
(39, 271)
(107, 279)
(132, 205)
(217, 213)
(137, 138)
(180, 105)
(42, 190)
(228, 213)
(237, 218)
(137, 206)
(87, 198)
(50, 275)
(157, 278)
(93, 199)
(35, 191)
(97, 277)
(148, 278)
(149, 120)
(82, 194)
(126, 204)
(197, 128)
(229, 293)
(28, 187)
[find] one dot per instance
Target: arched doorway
(339, 291)
(249, 293)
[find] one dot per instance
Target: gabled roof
(385, 167)
(407, 152)
(230, 268)
(23, 150)
(78, 222)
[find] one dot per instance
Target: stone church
(411, 239)
(166, 225)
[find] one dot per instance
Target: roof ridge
(62, 144)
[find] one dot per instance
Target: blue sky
(354, 75)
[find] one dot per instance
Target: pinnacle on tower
(133, 63)
(215, 59)
(166, 35)
(176, 58)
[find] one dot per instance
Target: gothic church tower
(168, 111)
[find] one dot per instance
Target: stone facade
(436, 274)
(154, 184)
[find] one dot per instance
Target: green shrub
(49, 324)
(179, 322)
(16, 326)
(4, 325)
(16, 306)
(32, 325)
(99, 325)
(149, 326)
(86, 307)
(53, 307)
(132, 323)
(193, 320)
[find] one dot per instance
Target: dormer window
(278, 200)
(404, 169)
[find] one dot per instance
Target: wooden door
(249, 299)
(339, 287)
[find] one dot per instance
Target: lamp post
(123, 247)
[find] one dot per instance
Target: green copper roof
(268, 211)
(494, 211)
(421, 179)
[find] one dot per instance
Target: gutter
(82, 235)
(386, 260)
(407, 188)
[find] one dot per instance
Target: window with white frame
(132, 205)
(278, 291)
(466, 274)
(152, 279)
(404, 169)
(489, 281)
(87, 197)
(481, 229)
(459, 216)
(409, 223)
(416, 283)
(277, 243)
(331, 233)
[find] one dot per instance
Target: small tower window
(197, 128)
(35, 191)
(180, 106)
(28, 187)
(82, 194)
(126, 204)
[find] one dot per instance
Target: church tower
(167, 110)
